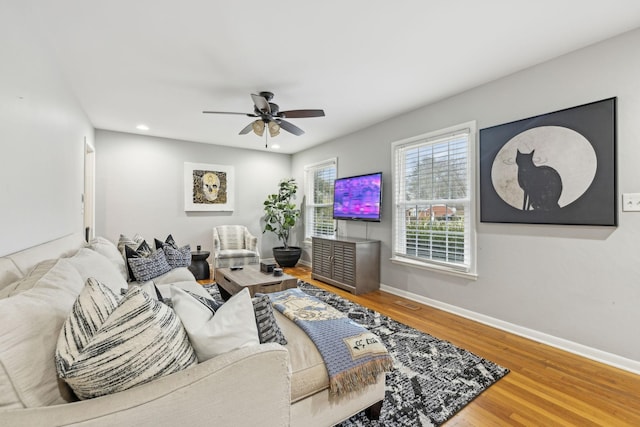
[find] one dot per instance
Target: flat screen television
(358, 197)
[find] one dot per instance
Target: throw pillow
(268, 328)
(125, 241)
(140, 249)
(232, 326)
(147, 268)
(110, 344)
(180, 257)
(168, 241)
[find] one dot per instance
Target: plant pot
(287, 257)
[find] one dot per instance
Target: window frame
(467, 270)
(310, 205)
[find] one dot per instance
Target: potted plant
(281, 215)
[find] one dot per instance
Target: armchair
(234, 245)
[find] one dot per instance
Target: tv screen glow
(358, 197)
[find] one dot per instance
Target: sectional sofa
(267, 384)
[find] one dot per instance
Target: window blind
(319, 206)
(432, 191)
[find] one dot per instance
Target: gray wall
(139, 188)
(42, 133)
(575, 283)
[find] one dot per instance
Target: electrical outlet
(631, 202)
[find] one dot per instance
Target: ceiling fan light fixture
(274, 129)
(258, 127)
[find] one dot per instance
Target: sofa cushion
(107, 249)
(30, 322)
(110, 344)
(308, 372)
(232, 326)
(149, 267)
(9, 273)
(90, 263)
(30, 280)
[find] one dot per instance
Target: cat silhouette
(542, 185)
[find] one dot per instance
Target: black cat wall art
(556, 168)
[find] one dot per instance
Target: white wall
(42, 133)
(575, 283)
(139, 188)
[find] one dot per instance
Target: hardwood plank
(546, 386)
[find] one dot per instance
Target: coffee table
(231, 282)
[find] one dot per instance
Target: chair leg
(373, 411)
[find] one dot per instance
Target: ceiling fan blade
(229, 112)
(261, 103)
(246, 129)
(298, 114)
(290, 127)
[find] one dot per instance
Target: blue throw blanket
(354, 357)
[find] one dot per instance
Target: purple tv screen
(358, 197)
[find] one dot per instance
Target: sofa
(267, 384)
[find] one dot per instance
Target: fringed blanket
(353, 356)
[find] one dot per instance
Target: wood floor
(546, 386)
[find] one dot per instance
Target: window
(434, 213)
(319, 179)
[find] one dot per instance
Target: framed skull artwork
(208, 187)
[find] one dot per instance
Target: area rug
(431, 380)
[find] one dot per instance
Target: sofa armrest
(216, 392)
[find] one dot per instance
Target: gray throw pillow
(180, 257)
(147, 268)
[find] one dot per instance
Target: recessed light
(275, 146)
(142, 127)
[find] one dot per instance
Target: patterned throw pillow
(180, 257)
(110, 344)
(125, 241)
(212, 305)
(147, 268)
(168, 241)
(268, 328)
(139, 250)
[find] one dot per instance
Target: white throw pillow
(110, 344)
(232, 326)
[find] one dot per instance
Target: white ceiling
(162, 62)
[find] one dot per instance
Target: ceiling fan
(270, 116)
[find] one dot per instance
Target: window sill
(435, 268)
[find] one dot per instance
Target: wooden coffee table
(231, 282)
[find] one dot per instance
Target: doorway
(88, 197)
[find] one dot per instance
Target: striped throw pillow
(268, 329)
(110, 344)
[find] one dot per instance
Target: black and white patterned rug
(431, 380)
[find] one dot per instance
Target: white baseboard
(305, 263)
(561, 343)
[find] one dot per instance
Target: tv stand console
(349, 263)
